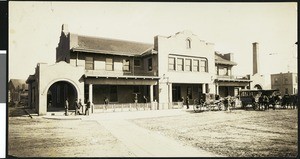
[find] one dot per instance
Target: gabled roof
(30, 79)
(220, 60)
(18, 82)
(111, 46)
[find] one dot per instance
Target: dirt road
(239, 133)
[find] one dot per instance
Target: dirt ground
(238, 133)
(39, 137)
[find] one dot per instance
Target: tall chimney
(64, 29)
(255, 59)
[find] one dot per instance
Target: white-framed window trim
(181, 64)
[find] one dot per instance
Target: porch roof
(123, 77)
(231, 80)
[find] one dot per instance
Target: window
(109, 64)
(89, 63)
(188, 64)
(180, 64)
(203, 66)
(217, 70)
(286, 90)
(126, 65)
(189, 92)
(136, 89)
(296, 79)
(276, 80)
(137, 63)
(188, 43)
(196, 65)
(150, 64)
(286, 80)
(172, 63)
(113, 93)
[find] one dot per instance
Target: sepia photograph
(152, 79)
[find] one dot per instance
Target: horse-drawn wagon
(208, 101)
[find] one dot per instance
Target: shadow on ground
(16, 111)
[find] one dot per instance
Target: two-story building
(95, 68)
(226, 83)
(186, 66)
(286, 83)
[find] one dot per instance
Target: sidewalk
(145, 143)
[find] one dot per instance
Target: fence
(119, 107)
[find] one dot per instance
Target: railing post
(114, 108)
(129, 106)
(121, 107)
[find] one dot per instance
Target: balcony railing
(231, 77)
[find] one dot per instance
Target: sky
(35, 28)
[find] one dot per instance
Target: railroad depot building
(93, 68)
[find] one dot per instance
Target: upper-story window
(172, 63)
(203, 65)
(109, 64)
(276, 80)
(126, 65)
(217, 70)
(89, 63)
(188, 43)
(196, 65)
(286, 80)
(150, 64)
(137, 63)
(296, 79)
(180, 64)
(188, 64)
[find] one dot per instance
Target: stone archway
(57, 94)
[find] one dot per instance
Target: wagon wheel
(220, 106)
(197, 107)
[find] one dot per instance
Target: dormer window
(188, 43)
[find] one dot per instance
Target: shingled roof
(111, 46)
(220, 60)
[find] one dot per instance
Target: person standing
(66, 107)
(187, 102)
(106, 102)
(136, 101)
(80, 107)
(88, 105)
(145, 99)
(76, 105)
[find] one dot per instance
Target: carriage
(208, 101)
(255, 98)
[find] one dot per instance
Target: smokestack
(255, 59)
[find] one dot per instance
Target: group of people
(78, 105)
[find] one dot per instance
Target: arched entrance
(57, 94)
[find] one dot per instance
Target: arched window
(188, 43)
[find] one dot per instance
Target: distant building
(18, 91)
(286, 83)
